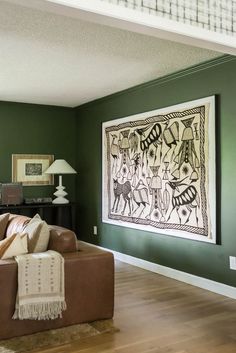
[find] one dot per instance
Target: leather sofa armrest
(62, 239)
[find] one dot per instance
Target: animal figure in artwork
(188, 197)
(124, 190)
(140, 197)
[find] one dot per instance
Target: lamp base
(60, 194)
(60, 200)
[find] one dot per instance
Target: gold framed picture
(29, 169)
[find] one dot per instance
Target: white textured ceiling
(50, 59)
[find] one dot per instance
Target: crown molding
(162, 80)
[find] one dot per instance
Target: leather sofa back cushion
(3, 224)
(16, 224)
(61, 239)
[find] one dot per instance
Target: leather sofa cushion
(62, 240)
(16, 224)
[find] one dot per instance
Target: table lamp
(60, 166)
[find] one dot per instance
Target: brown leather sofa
(89, 283)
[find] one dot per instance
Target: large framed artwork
(29, 169)
(159, 171)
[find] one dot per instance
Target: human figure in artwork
(187, 151)
(114, 153)
(124, 146)
(166, 170)
(135, 168)
(171, 137)
(155, 186)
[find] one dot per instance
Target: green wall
(75, 135)
(202, 259)
(37, 129)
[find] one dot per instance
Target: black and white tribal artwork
(159, 171)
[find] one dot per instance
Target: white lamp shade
(60, 166)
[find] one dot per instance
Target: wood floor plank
(156, 314)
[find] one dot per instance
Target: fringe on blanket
(40, 311)
(35, 301)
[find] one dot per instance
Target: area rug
(54, 338)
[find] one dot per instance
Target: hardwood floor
(156, 314)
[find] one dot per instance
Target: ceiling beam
(136, 21)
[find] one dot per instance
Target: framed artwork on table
(159, 171)
(28, 169)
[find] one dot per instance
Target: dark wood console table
(61, 215)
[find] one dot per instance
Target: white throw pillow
(24, 241)
(38, 234)
(3, 224)
(14, 245)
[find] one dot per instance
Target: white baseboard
(200, 282)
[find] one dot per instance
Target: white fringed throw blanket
(41, 293)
